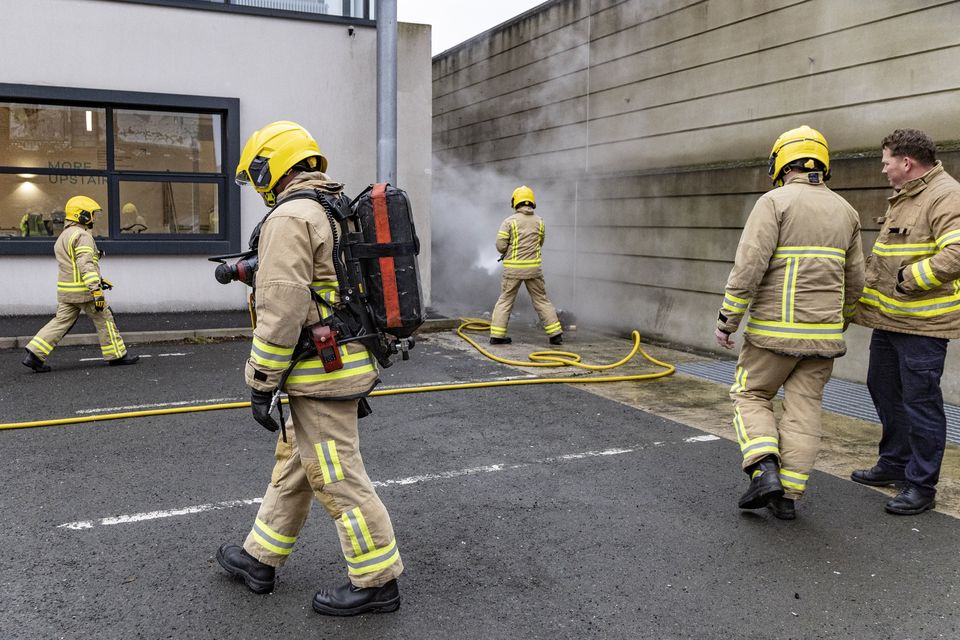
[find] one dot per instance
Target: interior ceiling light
(89, 120)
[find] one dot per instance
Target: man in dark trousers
(911, 300)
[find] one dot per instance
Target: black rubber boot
(783, 508)
(348, 600)
(557, 339)
(764, 484)
(35, 363)
(258, 577)
(126, 359)
(501, 340)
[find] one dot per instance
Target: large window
(158, 170)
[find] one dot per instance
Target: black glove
(260, 404)
(900, 281)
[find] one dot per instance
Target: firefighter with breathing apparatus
(298, 301)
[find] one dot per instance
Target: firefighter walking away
(519, 242)
(799, 272)
(80, 287)
(296, 287)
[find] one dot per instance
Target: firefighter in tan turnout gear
(799, 272)
(321, 455)
(80, 287)
(519, 242)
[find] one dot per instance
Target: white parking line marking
(142, 355)
(153, 515)
(706, 438)
(155, 405)
(446, 475)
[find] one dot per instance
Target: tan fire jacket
(296, 256)
(79, 264)
(920, 239)
(519, 240)
(799, 270)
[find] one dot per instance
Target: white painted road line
(142, 355)
(446, 475)
(156, 405)
(706, 438)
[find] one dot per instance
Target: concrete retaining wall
(644, 127)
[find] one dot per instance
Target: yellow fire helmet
(523, 195)
(81, 209)
(797, 144)
(272, 151)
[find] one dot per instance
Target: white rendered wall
(314, 73)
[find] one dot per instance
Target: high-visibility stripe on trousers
(46, 340)
(322, 459)
(795, 441)
(509, 286)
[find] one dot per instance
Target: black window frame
(227, 6)
(227, 240)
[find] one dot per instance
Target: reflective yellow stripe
(270, 356)
(357, 531)
(550, 328)
(269, 545)
(917, 249)
(795, 330)
(948, 238)
(831, 253)
(329, 461)
(72, 287)
(41, 345)
(739, 381)
(789, 288)
(759, 446)
(498, 332)
(375, 560)
(273, 534)
(503, 234)
(540, 233)
(738, 427)
(522, 264)
(923, 275)
(919, 308)
(734, 305)
(793, 480)
(354, 364)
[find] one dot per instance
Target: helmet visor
(257, 174)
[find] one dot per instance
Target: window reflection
(31, 206)
(166, 141)
(52, 137)
(169, 207)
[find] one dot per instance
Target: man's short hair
(911, 143)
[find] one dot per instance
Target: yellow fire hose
(536, 359)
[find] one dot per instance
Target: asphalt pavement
(521, 512)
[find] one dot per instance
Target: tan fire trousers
(796, 441)
(509, 286)
(111, 344)
(322, 458)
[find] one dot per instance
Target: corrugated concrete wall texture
(644, 126)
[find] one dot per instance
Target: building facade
(144, 106)
(644, 126)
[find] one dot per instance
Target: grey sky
(454, 21)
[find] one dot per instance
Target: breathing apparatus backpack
(375, 248)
